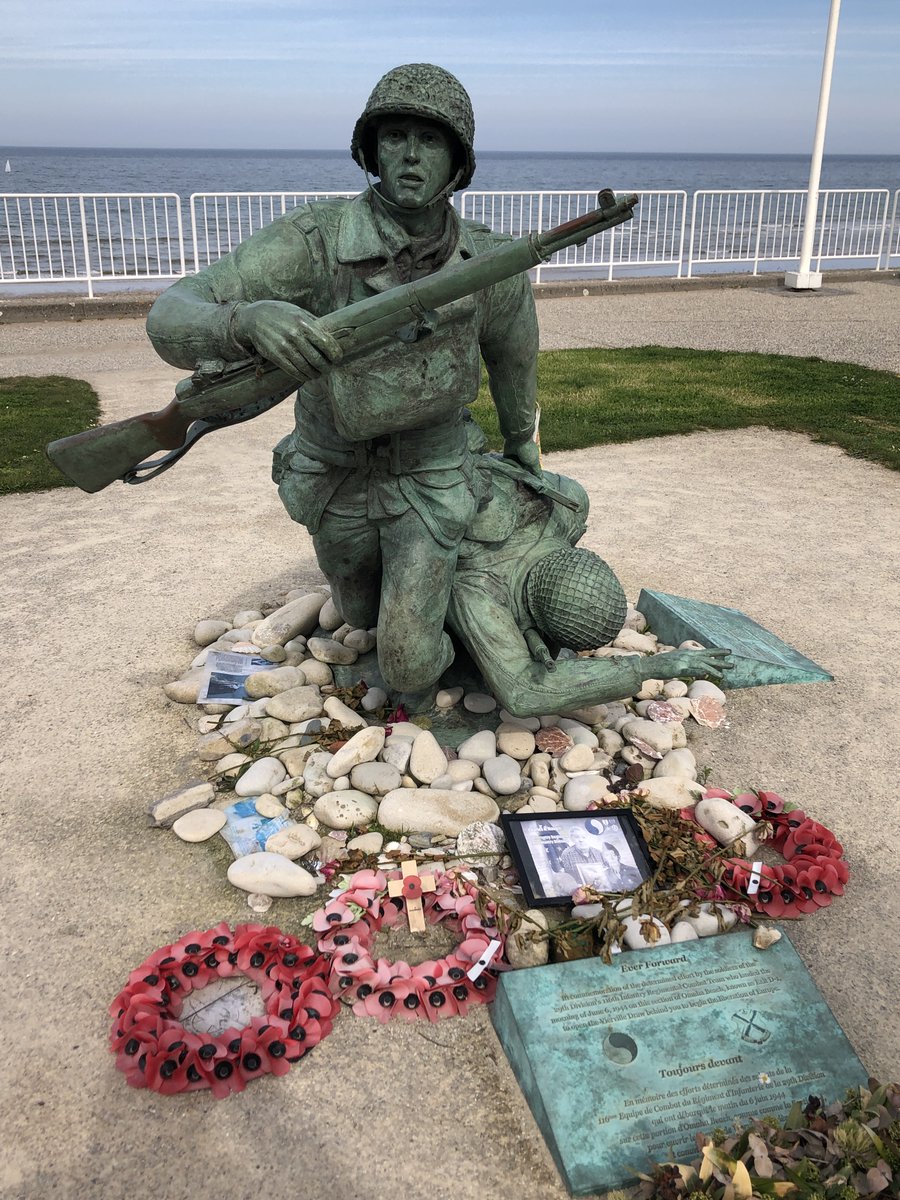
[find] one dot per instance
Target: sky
(713, 76)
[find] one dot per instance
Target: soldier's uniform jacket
(399, 412)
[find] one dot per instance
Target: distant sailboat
(7, 168)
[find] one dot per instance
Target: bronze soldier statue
(380, 466)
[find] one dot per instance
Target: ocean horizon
(188, 170)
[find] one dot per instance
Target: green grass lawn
(33, 412)
(587, 397)
(593, 397)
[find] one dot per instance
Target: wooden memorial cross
(411, 887)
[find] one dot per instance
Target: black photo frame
(557, 852)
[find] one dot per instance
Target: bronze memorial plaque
(623, 1064)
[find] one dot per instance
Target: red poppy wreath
(155, 1051)
(814, 870)
(430, 990)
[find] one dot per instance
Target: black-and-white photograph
(225, 676)
(555, 854)
(225, 689)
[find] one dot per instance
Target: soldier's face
(415, 160)
(580, 839)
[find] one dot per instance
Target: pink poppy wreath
(814, 870)
(155, 1051)
(431, 990)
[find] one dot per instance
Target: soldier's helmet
(418, 90)
(575, 600)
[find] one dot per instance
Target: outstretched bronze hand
(690, 664)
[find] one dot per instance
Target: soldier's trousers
(393, 574)
(388, 540)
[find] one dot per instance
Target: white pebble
(268, 805)
(199, 825)
(271, 874)
(260, 777)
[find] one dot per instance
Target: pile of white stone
(440, 803)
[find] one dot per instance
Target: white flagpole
(803, 279)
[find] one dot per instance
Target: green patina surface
(760, 658)
(630, 1060)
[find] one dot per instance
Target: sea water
(50, 169)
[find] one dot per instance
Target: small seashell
(259, 902)
(553, 740)
(706, 710)
(765, 936)
(667, 714)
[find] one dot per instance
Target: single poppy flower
(445, 902)
(772, 803)
(341, 936)
(717, 794)
(748, 802)
(440, 1004)
(351, 961)
(369, 880)
(334, 914)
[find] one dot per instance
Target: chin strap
(443, 195)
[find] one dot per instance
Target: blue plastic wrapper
(245, 831)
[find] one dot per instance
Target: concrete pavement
(99, 596)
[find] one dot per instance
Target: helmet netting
(575, 599)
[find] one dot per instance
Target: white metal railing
(655, 237)
(767, 226)
(892, 245)
(85, 237)
(220, 220)
(61, 238)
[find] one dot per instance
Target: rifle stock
(97, 457)
(219, 394)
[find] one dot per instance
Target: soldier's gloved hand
(525, 453)
(288, 336)
(690, 664)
